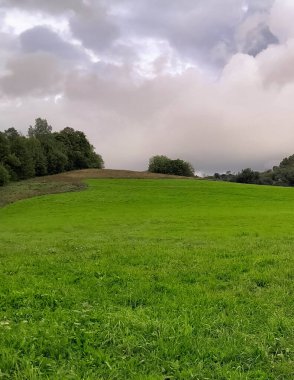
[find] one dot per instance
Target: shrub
(247, 176)
(164, 165)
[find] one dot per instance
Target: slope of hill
(149, 279)
(66, 182)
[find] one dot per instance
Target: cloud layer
(207, 81)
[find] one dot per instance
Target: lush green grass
(149, 279)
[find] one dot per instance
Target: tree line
(44, 152)
(281, 175)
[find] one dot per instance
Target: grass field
(67, 182)
(149, 279)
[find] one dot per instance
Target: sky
(207, 81)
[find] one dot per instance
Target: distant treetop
(165, 165)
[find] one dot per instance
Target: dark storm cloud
(42, 39)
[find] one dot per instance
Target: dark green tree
(12, 133)
(53, 152)
(39, 158)
(4, 175)
(4, 147)
(20, 162)
(159, 164)
(80, 152)
(181, 168)
(44, 152)
(164, 165)
(247, 176)
(40, 129)
(287, 162)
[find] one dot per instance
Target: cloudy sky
(208, 81)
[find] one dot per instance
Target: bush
(164, 165)
(4, 175)
(247, 176)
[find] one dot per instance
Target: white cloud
(17, 21)
(281, 19)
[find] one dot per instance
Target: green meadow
(149, 279)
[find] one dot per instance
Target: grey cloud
(52, 6)
(258, 40)
(35, 74)
(203, 31)
(89, 21)
(259, 5)
(42, 39)
(253, 34)
(94, 29)
(195, 29)
(8, 44)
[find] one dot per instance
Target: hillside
(67, 182)
(148, 279)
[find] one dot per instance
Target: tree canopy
(281, 175)
(44, 152)
(165, 165)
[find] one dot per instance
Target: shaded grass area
(16, 191)
(67, 182)
(149, 280)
